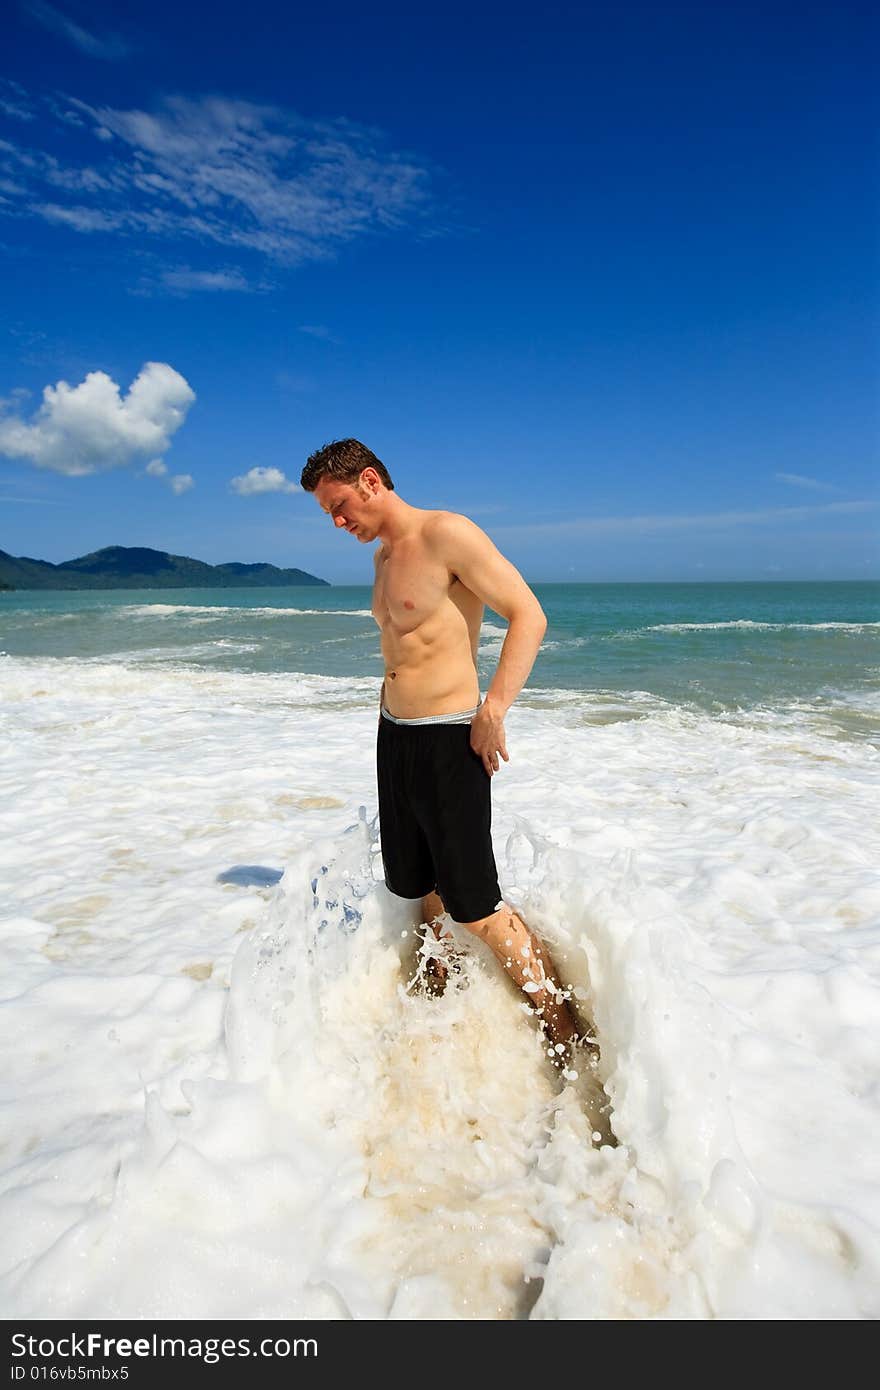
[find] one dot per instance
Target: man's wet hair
(343, 460)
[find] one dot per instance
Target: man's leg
(523, 956)
(436, 970)
(454, 801)
(528, 963)
(432, 908)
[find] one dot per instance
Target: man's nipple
(408, 603)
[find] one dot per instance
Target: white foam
(564, 643)
(195, 1073)
(746, 624)
(181, 653)
(208, 611)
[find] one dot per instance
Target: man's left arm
(471, 555)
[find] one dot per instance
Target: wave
(223, 646)
(565, 644)
(747, 624)
(34, 617)
(167, 610)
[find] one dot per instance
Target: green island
(136, 567)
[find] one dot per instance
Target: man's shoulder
(442, 527)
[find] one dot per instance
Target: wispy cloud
(38, 501)
(183, 279)
(318, 330)
(81, 219)
(646, 525)
(181, 482)
(217, 171)
(14, 101)
(258, 480)
(299, 383)
(798, 480)
(92, 427)
(15, 400)
(107, 46)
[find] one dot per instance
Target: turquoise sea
(716, 647)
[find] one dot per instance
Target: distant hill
(135, 567)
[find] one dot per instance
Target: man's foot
(435, 960)
(435, 976)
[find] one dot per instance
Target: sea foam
(232, 1074)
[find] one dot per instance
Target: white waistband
(464, 717)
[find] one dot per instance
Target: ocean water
(213, 1054)
(713, 647)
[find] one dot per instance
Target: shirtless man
(438, 746)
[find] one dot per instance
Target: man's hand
(487, 737)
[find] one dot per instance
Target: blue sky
(602, 277)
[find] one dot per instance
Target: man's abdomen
(428, 677)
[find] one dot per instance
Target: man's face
(349, 506)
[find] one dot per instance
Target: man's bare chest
(409, 590)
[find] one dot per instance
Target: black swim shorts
(435, 817)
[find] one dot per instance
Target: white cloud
(14, 109)
(81, 219)
(221, 172)
(57, 23)
(318, 330)
(182, 278)
(646, 525)
(263, 480)
(15, 400)
(39, 501)
(178, 482)
(13, 189)
(299, 382)
(92, 427)
(798, 480)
